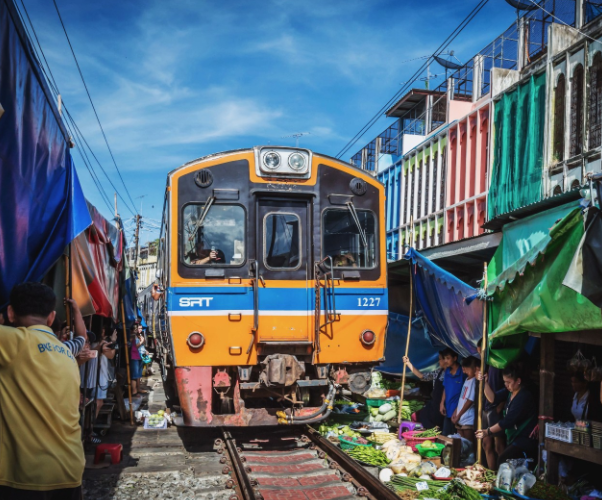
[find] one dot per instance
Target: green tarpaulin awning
(528, 294)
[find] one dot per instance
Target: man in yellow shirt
(41, 453)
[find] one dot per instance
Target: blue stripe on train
(272, 299)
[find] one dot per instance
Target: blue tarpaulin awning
(441, 299)
(42, 206)
(423, 351)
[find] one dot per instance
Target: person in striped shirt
(79, 329)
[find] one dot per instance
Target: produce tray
(434, 451)
(348, 445)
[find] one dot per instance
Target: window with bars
(419, 175)
(442, 176)
(433, 200)
(427, 186)
(595, 102)
(559, 99)
(576, 138)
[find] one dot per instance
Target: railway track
(293, 464)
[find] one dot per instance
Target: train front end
(274, 268)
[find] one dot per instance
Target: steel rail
(245, 490)
(371, 484)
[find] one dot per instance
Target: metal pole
(127, 361)
(403, 378)
(483, 355)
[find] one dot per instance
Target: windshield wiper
(356, 219)
(202, 217)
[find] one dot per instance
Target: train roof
(242, 150)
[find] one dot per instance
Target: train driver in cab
(202, 256)
(345, 259)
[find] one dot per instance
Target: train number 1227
(368, 301)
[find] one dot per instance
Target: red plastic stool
(112, 449)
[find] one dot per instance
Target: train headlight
(296, 161)
(368, 337)
(271, 160)
(196, 340)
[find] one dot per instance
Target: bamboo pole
(68, 291)
(403, 377)
(127, 361)
(483, 356)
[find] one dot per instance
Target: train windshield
(282, 241)
(343, 241)
(214, 238)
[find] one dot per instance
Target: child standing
(463, 417)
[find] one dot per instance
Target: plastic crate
(554, 431)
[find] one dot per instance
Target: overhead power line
(414, 77)
(70, 123)
(92, 103)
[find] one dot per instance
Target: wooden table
(556, 448)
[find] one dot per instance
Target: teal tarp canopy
(516, 175)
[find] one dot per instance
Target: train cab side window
(213, 237)
(282, 241)
(343, 241)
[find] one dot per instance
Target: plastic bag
(525, 483)
(579, 363)
(505, 476)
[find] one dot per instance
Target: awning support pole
(403, 378)
(483, 356)
(127, 362)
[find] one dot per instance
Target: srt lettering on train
(191, 302)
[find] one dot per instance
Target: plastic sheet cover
(529, 296)
(42, 207)
(423, 352)
(441, 297)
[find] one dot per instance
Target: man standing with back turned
(41, 454)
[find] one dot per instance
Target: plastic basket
(348, 445)
(554, 431)
(434, 451)
(413, 441)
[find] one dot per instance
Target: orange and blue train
(272, 285)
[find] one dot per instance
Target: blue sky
(174, 80)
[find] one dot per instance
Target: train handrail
(253, 267)
(328, 284)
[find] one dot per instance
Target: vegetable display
(430, 433)
(545, 491)
(401, 483)
(370, 456)
(478, 477)
(381, 437)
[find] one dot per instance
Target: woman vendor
(585, 404)
(430, 416)
(519, 416)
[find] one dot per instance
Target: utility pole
(137, 244)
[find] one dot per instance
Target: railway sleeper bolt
(334, 465)
(230, 484)
(220, 451)
(253, 482)
(321, 454)
(347, 478)
(243, 459)
(238, 449)
(362, 492)
(226, 470)
(248, 470)
(258, 495)
(313, 447)
(304, 439)
(223, 460)
(233, 497)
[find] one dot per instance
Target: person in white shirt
(463, 417)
